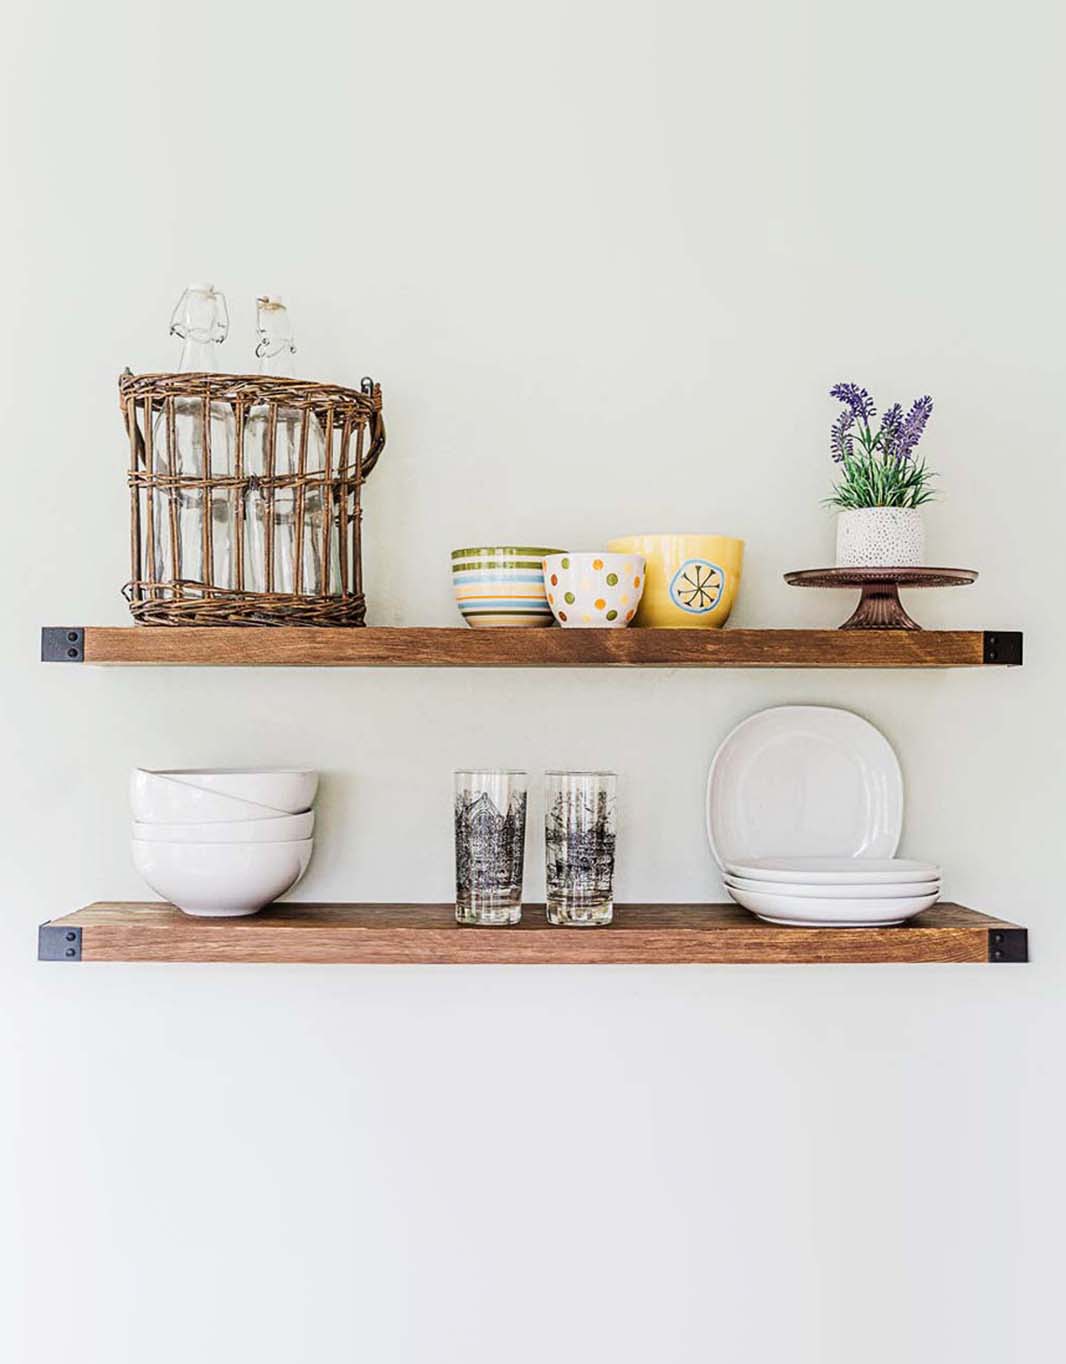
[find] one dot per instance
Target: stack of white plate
(804, 814)
(847, 892)
(219, 843)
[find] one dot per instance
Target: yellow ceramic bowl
(692, 580)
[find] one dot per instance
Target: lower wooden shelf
(414, 933)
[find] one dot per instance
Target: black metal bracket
(62, 644)
(58, 942)
(1003, 647)
(1008, 944)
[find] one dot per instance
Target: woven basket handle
(376, 426)
(128, 408)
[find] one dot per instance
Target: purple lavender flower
(913, 426)
(878, 464)
(891, 426)
(840, 443)
(856, 398)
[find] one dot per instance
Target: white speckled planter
(880, 537)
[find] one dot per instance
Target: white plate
(835, 871)
(804, 781)
(811, 913)
(898, 890)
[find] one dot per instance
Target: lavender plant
(878, 466)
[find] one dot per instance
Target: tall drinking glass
(579, 838)
(490, 845)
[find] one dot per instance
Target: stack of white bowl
(219, 843)
(844, 892)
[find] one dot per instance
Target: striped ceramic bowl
(501, 585)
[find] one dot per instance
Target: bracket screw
(70, 937)
(69, 952)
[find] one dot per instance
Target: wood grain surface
(546, 648)
(421, 933)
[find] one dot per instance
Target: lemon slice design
(697, 586)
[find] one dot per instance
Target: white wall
(605, 259)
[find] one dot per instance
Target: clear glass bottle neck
(201, 321)
(275, 345)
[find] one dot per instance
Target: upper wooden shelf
(402, 647)
(414, 933)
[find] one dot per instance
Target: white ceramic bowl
(289, 789)
(221, 880)
(156, 799)
(811, 913)
(284, 829)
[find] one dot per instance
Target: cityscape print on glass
(490, 840)
(579, 844)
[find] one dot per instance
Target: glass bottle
(201, 321)
(278, 504)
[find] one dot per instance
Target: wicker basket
(335, 436)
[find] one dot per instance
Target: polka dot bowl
(594, 591)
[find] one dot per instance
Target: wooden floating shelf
(397, 933)
(401, 647)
